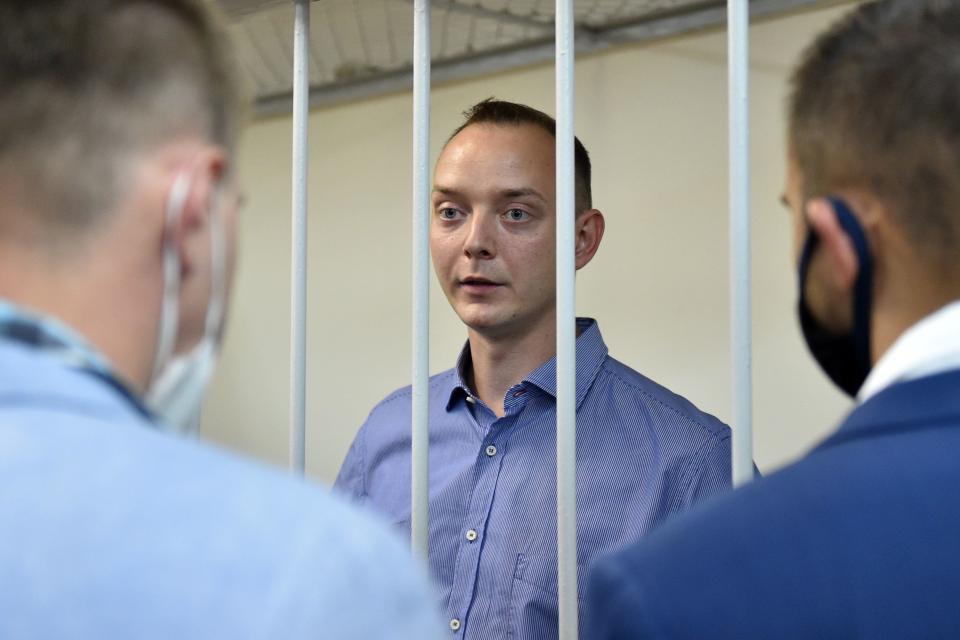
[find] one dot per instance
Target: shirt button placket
(468, 555)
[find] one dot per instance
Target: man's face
(493, 229)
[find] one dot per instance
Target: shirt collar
(48, 334)
(930, 402)
(929, 347)
(591, 351)
(54, 338)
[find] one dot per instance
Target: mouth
(478, 284)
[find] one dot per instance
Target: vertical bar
(738, 30)
(420, 437)
(298, 291)
(566, 330)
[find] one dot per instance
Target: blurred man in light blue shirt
(117, 216)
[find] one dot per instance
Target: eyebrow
(506, 193)
(521, 193)
(445, 191)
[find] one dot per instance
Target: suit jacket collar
(932, 402)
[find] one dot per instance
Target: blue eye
(448, 213)
(516, 215)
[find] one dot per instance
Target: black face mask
(844, 357)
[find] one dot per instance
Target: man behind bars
(643, 453)
(861, 539)
(118, 200)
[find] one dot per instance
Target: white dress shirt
(929, 347)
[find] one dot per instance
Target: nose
(481, 237)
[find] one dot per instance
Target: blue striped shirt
(643, 454)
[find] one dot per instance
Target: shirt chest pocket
(533, 598)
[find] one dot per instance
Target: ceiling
(361, 48)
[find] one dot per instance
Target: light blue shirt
(112, 529)
(643, 455)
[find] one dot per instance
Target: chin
(483, 322)
(496, 328)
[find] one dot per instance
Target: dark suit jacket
(860, 539)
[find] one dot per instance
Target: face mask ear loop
(215, 307)
(169, 310)
(863, 287)
(806, 255)
(213, 324)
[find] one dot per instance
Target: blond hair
(88, 85)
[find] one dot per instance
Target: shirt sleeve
(709, 474)
(352, 479)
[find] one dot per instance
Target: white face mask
(180, 380)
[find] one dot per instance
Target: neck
(97, 298)
(910, 296)
(500, 362)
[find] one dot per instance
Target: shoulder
(211, 534)
(725, 525)
(195, 521)
(695, 566)
(812, 547)
(34, 381)
(331, 558)
(647, 396)
(401, 399)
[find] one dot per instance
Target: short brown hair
(876, 105)
(500, 112)
(89, 84)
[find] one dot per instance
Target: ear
(589, 231)
(204, 174)
(834, 242)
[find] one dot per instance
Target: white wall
(654, 120)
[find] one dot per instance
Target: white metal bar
(420, 437)
(738, 61)
(566, 329)
(298, 291)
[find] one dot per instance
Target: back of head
(876, 106)
(503, 113)
(88, 87)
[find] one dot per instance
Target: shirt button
(519, 392)
(471, 400)
(471, 535)
(455, 625)
(491, 451)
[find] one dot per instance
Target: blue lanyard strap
(53, 338)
